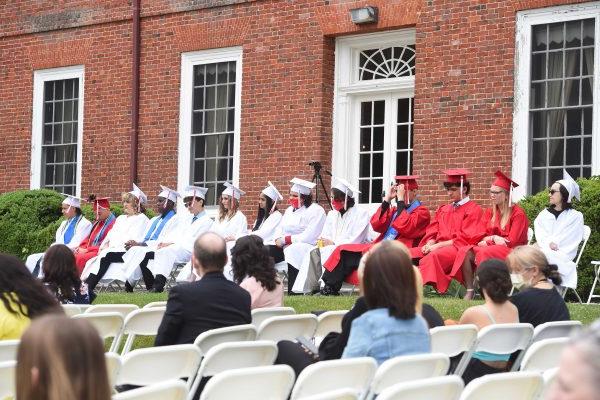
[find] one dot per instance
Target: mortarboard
(301, 186)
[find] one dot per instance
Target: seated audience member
(494, 280)
(578, 376)
(269, 216)
(23, 298)
(212, 302)
(61, 359)
(61, 278)
(559, 229)
(391, 327)
(344, 224)
(503, 227)
(404, 222)
(71, 231)
(538, 301)
(454, 225)
(254, 270)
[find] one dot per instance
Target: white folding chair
(156, 304)
(324, 376)
(233, 355)
(147, 366)
(144, 322)
(408, 368)
(123, 309)
(454, 340)
(108, 325)
(543, 355)
(549, 377)
(438, 388)
(555, 329)
(503, 386)
(7, 379)
(261, 314)
(71, 309)
(113, 366)
(587, 231)
(339, 394)
(596, 266)
(171, 390)
(329, 321)
(8, 349)
(238, 333)
(272, 382)
(287, 327)
(529, 235)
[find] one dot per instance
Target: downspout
(135, 93)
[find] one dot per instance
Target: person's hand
(499, 240)
(131, 243)
(229, 238)
(81, 250)
(161, 245)
(327, 242)
(279, 242)
(391, 193)
(553, 246)
(400, 192)
(482, 243)
(428, 247)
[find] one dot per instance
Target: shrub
(29, 220)
(589, 205)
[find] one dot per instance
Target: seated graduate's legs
(334, 279)
(112, 257)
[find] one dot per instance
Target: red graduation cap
(504, 181)
(456, 175)
(99, 203)
(409, 181)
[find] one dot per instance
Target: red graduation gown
(460, 224)
(515, 232)
(410, 227)
(92, 251)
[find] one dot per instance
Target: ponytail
(550, 271)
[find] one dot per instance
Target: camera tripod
(317, 178)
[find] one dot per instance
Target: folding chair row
(8, 349)
(170, 390)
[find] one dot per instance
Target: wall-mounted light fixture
(364, 15)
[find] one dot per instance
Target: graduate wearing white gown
(71, 231)
(350, 228)
(269, 217)
(559, 229)
(131, 225)
(190, 227)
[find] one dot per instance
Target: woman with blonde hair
(503, 226)
(538, 301)
(60, 358)
(231, 223)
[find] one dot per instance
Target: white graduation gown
(566, 232)
(352, 227)
(304, 226)
(268, 229)
(82, 230)
(126, 227)
(181, 250)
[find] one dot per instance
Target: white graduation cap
(272, 192)
(344, 186)
(232, 191)
(301, 186)
(168, 194)
(572, 187)
(71, 201)
(141, 196)
(195, 191)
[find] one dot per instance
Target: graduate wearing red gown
(89, 247)
(454, 225)
(496, 241)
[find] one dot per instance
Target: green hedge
(589, 205)
(29, 220)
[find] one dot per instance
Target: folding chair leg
(577, 295)
(591, 296)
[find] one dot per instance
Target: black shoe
(159, 284)
(92, 297)
(329, 291)
(92, 282)
(128, 287)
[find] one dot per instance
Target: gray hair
(588, 342)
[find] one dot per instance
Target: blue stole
(392, 233)
(70, 230)
(155, 230)
(100, 234)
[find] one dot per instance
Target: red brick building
(250, 90)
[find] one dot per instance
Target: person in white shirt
(301, 224)
(71, 232)
(269, 217)
(345, 224)
(559, 229)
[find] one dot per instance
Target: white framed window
(556, 91)
(209, 120)
(373, 110)
(57, 129)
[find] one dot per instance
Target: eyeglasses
(552, 191)
(495, 192)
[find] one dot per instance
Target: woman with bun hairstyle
(538, 301)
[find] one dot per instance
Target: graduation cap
(457, 175)
(71, 201)
(301, 186)
(572, 187)
(505, 183)
(168, 194)
(272, 193)
(409, 182)
(195, 191)
(232, 191)
(344, 186)
(99, 203)
(141, 196)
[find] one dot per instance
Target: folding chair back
(261, 314)
(555, 329)
(287, 327)
(329, 321)
(143, 322)
(172, 390)
(439, 388)
(272, 382)
(529, 235)
(549, 377)
(503, 386)
(454, 340)
(238, 333)
(123, 309)
(339, 394)
(159, 364)
(108, 325)
(587, 231)
(543, 355)
(408, 368)
(156, 304)
(71, 309)
(7, 379)
(113, 366)
(8, 349)
(324, 376)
